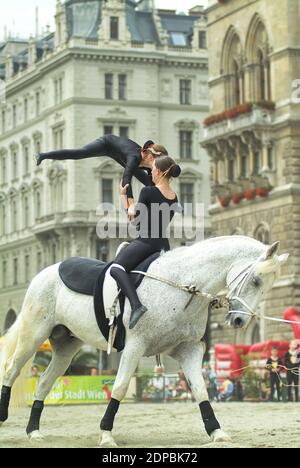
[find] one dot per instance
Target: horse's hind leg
(128, 364)
(64, 349)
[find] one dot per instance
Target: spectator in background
(35, 371)
(265, 387)
(159, 384)
(274, 366)
(291, 361)
(94, 371)
(181, 387)
(227, 390)
(238, 390)
(211, 382)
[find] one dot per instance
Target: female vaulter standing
(156, 209)
(136, 160)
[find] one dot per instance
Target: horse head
(249, 284)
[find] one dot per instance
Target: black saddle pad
(86, 276)
(80, 274)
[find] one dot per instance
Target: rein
(192, 289)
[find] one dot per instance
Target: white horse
(50, 310)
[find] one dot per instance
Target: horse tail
(7, 353)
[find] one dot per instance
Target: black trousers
(136, 252)
(95, 148)
(98, 147)
(275, 385)
(293, 382)
(129, 258)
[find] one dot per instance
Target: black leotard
(152, 228)
(126, 152)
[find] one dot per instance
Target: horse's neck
(207, 263)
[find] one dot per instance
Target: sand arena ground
(160, 425)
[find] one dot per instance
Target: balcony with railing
(258, 115)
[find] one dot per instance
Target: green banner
(72, 390)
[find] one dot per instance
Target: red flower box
(261, 192)
(224, 201)
(250, 194)
(237, 110)
(236, 198)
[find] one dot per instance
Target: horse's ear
(283, 258)
(272, 251)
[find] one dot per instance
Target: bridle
(235, 291)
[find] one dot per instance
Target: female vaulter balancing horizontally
(155, 210)
(136, 160)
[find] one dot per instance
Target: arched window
(57, 179)
(262, 234)
(37, 141)
(26, 157)
(26, 211)
(232, 69)
(257, 53)
(14, 215)
(10, 319)
(37, 198)
(38, 205)
(236, 83)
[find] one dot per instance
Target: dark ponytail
(168, 167)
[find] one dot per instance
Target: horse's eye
(257, 282)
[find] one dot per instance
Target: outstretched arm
(132, 169)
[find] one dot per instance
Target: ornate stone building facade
(110, 67)
(253, 139)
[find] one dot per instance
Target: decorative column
(247, 81)
(267, 171)
(221, 170)
(241, 78)
(238, 159)
(265, 51)
(266, 145)
(213, 155)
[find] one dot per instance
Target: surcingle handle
(112, 325)
(111, 337)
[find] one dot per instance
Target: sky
(19, 15)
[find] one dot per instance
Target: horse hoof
(220, 436)
(107, 440)
(35, 436)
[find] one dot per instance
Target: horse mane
(213, 240)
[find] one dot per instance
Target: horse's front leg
(190, 358)
(129, 361)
